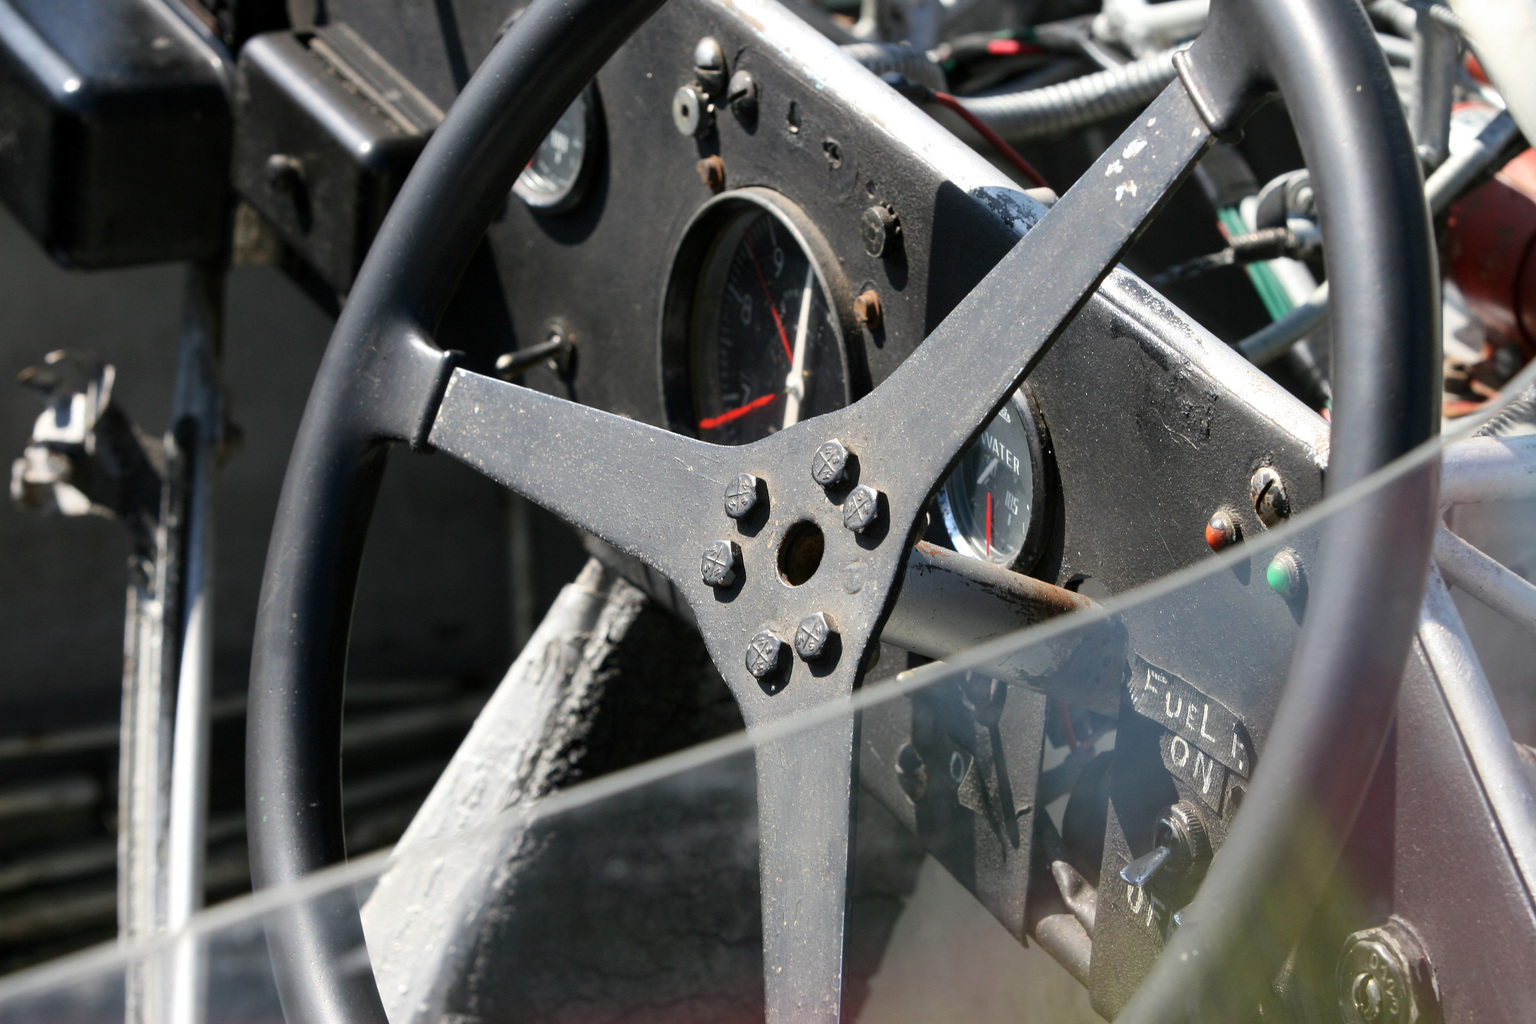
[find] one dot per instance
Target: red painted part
(1475, 69)
(1491, 250)
(1215, 536)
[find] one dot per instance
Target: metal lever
(1140, 871)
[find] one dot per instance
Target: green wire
(1276, 302)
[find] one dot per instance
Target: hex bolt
(868, 311)
(690, 111)
(719, 564)
(709, 64)
(764, 653)
(1385, 978)
(1267, 492)
(812, 636)
(830, 463)
(861, 508)
(1222, 530)
(881, 229)
(712, 173)
(1284, 574)
(741, 94)
(741, 495)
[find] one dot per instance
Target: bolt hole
(792, 118)
(800, 553)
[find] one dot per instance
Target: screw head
(1284, 574)
(880, 228)
(718, 566)
(811, 637)
(708, 55)
(1270, 500)
(764, 653)
(741, 94)
(712, 172)
(690, 111)
(741, 495)
(1222, 531)
(861, 508)
(867, 309)
(830, 463)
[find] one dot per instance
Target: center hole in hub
(800, 552)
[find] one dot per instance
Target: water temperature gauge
(992, 501)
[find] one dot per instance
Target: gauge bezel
(591, 156)
(684, 311)
(1023, 400)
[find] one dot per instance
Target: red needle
(788, 353)
(741, 410)
(989, 524)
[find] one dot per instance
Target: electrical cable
(996, 141)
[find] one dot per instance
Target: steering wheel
(852, 485)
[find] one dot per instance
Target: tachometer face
(555, 177)
(765, 345)
(991, 502)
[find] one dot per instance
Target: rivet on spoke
(861, 508)
(830, 463)
(741, 495)
(813, 636)
(764, 654)
(718, 567)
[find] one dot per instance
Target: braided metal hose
(901, 58)
(1053, 109)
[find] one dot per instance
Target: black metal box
(326, 133)
(114, 131)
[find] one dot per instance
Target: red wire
(995, 140)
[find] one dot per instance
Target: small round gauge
(557, 176)
(755, 317)
(992, 501)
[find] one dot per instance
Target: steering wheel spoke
(638, 487)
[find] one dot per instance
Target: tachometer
(992, 501)
(755, 301)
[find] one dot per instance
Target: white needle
(987, 472)
(794, 384)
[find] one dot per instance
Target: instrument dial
(555, 179)
(992, 500)
(764, 339)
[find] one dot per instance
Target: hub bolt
(830, 464)
(741, 495)
(813, 635)
(719, 564)
(764, 653)
(861, 508)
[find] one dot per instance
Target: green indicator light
(1283, 574)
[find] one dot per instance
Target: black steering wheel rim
(382, 380)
